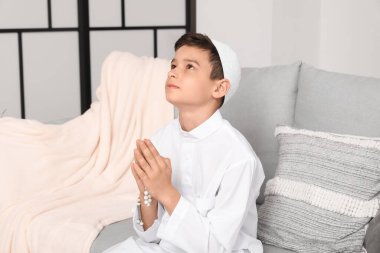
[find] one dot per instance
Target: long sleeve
(149, 235)
(216, 230)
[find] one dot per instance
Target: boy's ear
(221, 88)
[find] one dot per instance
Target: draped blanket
(61, 184)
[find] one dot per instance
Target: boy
(202, 199)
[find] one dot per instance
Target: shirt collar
(204, 129)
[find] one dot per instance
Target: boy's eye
(189, 66)
(172, 66)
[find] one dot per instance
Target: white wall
(245, 25)
(350, 36)
(337, 35)
(295, 31)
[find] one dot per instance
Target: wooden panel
(64, 13)
(166, 40)
(155, 13)
(102, 43)
(9, 77)
(105, 13)
(23, 13)
(51, 75)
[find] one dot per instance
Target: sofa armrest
(372, 238)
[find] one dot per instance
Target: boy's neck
(190, 119)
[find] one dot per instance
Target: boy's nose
(171, 74)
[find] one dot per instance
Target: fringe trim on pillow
(361, 141)
(322, 198)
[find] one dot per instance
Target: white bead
(146, 197)
(146, 192)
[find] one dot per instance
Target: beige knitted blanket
(61, 184)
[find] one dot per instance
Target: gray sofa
(298, 95)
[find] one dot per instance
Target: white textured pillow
(325, 191)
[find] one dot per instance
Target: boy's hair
(202, 41)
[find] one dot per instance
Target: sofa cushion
(325, 192)
(112, 234)
(265, 98)
(372, 240)
(339, 103)
(274, 249)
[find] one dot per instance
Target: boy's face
(188, 83)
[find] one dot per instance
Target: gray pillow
(325, 191)
(266, 97)
(372, 240)
(338, 103)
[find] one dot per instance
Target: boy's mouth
(170, 85)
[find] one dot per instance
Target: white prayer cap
(231, 66)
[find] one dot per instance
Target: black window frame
(84, 30)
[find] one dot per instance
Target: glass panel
(64, 13)
(51, 64)
(104, 42)
(155, 13)
(166, 40)
(105, 13)
(23, 14)
(9, 76)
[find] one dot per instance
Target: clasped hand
(151, 171)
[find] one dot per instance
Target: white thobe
(219, 177)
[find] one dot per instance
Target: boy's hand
(151, 170)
